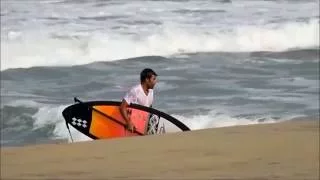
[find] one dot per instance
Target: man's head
(148, 77)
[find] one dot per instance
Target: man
(141, 93)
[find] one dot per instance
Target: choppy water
(220, 63)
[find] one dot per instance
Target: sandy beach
(287, 150)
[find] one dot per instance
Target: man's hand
(130, 126)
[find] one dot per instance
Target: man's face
(152, 81)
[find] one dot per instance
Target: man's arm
(123, 111)
(125, 115)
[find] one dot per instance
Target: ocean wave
(28, 49)
(299, 54)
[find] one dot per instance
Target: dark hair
(146, 74)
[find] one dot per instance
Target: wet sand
(283, 151)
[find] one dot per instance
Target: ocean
(220, 63)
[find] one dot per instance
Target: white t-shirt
(136, 95)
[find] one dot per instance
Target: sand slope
(288, 150)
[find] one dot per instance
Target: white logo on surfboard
(79, 122)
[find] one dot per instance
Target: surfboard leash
(69, 131)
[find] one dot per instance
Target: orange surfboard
(103, 120)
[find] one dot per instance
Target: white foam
(47, 115)
(61, 132)
(34, 48)
(50, 114)
(215, 119)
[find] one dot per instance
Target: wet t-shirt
(136, 95)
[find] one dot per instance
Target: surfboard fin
(76, 100)
(162, 129)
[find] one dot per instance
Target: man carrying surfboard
(141, 94)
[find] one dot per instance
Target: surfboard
(103, 120)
